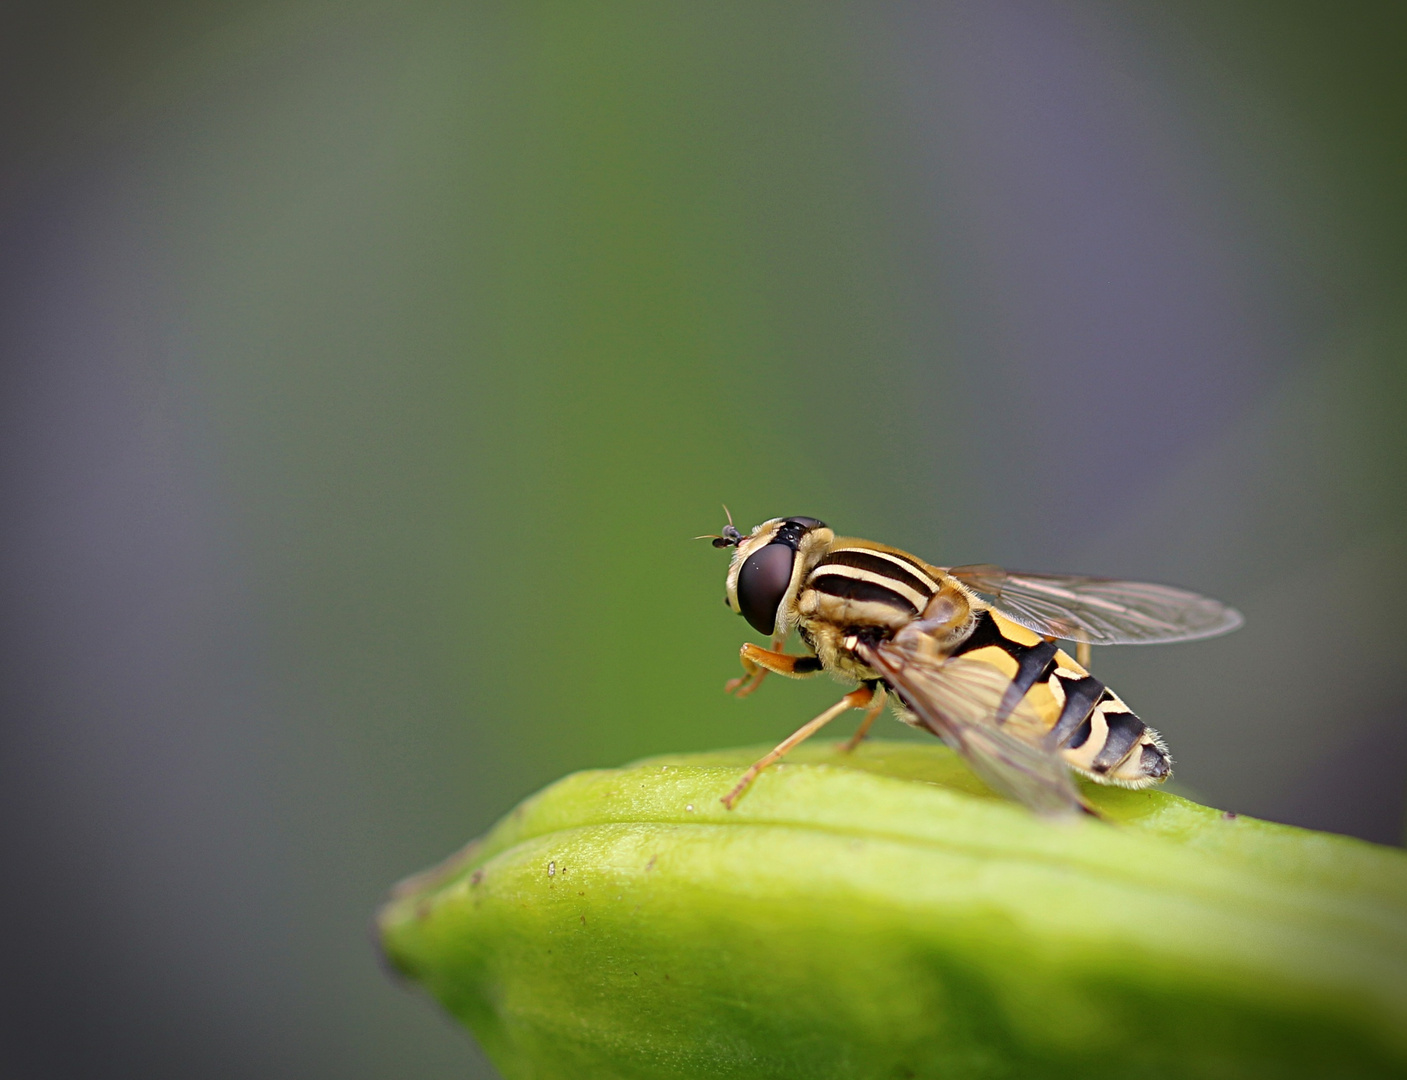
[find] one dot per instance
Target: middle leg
(876, 707)
(856, 699)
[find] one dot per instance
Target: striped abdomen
(1087, 723)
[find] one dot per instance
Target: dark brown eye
(762, 582)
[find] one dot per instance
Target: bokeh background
(367, 368)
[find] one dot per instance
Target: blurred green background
(368, 367)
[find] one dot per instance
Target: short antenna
(730, 536)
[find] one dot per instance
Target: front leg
(757, 662)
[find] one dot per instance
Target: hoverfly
(967, 653)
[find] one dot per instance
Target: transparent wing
(1101, 611)
(959, 701)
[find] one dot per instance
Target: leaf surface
(883, 915)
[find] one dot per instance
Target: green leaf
(882, 915)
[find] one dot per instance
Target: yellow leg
(856, 699)
(1082, 654)
(743, 685)
(757, 662)
(876, 707)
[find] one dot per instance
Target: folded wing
(960, 701)
(1101, 611)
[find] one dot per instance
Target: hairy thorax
(825, 621)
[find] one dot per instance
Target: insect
(967, 653)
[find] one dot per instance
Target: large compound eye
(762, 582)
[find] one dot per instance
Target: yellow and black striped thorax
(860, 584)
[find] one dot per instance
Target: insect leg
(876, 707)
(755, 672)
(757, 662)
(856, 699)
(1082, 654)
